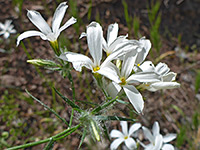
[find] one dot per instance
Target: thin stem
(56, 137)
(71, 118)
(55, 113)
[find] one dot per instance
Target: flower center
(96, 68)
(138, 65)
(123, 81)
(126, 137)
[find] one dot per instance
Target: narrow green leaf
(106, 132)
(178, 109)
(83, 137)
(197, 82)
(122, 102)
(49, 145)
(47, 107)
(101, 107)
(114, 118)
(68, 101)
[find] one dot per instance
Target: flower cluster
(133, 69)
(121, 70)
(157, 141)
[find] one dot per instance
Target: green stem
(56, 137)
(71, 118)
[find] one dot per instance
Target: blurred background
(173, 26)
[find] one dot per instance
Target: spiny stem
(56, 137)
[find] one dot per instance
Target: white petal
(105, 45)
(162, 69)
(147, 134)
(6, 35)
(124, 126)
(1, 26)
(168, 147)
(171, 76)
(150, 147)
(147, 66)
(109, 71)
(156, 129)
(112, 33)
(94, 39)
(165, 85)
(134, 128)
(78, 60)
(113, 89)
(158, 142)
(116, 134)
(127, 65)
(143, 77)
(58, 16)
(143, 50)
(114, 145)
(39, 21)
(116, 43)
(169, 137)
(71, 21)
(134, 97)
(83, 34)
(29, 34)
(130, 143)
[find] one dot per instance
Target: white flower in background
(157, 141)
(46, 32)
(124, 136)
(167, 77)
(112, 40)
(94, 34)
(7, 28)
(125, 80)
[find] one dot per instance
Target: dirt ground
(180, 18)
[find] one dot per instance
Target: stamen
(126, 137)
(123, 81)
(96, 68)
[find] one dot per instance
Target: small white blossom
(7, 28)
(124, 136)
(157, 141)
(46, 32)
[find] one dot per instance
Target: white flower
(94, 36)
(112, 40)
(125, 80)
(7, 29)
(46, 32)
(157, 141)
(167, 77)
(124, 136)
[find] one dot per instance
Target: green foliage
(74, 12)
(131, 22)
(89, 10)
(126, 14)
(181, 138)
(18, 3)
(197, 82)
(155, 20)
(10, 117)
(136, 26)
